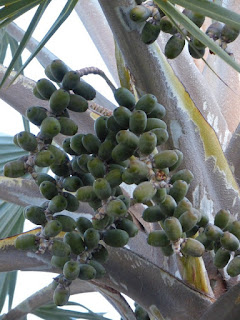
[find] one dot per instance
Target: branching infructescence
(126, 147)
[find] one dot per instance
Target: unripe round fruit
(167, 26)
(68, 126)
(44, 177)
(116, 237)
(58, 69)
(102, 188)
(114, 177)
(222, 218)
(121, 153)
(229, 34)
(144, 192)
(77, 103)
(100, 270)
(179, 190)
(174, 47)
(83, 224)
(102, 222)
(60, 249)
(26, 242)
(48, 189)
(105, 150)
(124, 98)
(100, 254)
(74, 240)
(70, 80)
(138, 121)
(128, 138)
(167, 250)
(50, 127)
(96, 167)
(122, 115)
(85, 90)
(72, 202)
(182, 206)
(154, 123)
(59, 262)
(36, 114)
(87, 272)
(86, 194)
(59, 155)
(161, 134)
(188, 220)
(234, 228)
(147, 143)
(212, 232)
(116, 208)
(150, 32)
(52, 228)
(100, 127)
(233, 268)
(45, 88)
(71, 270)
(146, 103)
(44, 158)
(91, 143)
(91, 238)
(77, 145)
(35, 214)
(195, 17)
(165, 159)
(192, 247)
(72, 183)
(221, 258)
(158, 238)
(61, 296)
(68, 223)
(179, 161)
(27, 141)
(14, 169)
(153, 214)
(128, 226)
(184, 174)
(59, 101)
(168, 206)
(229, 241)
(214, 30)
(140, 13)
(173, 228)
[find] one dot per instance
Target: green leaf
(13, 8)
(175, 14)
(4, 2)
(17, 51)
(66, 11)
(14, 47)
(52, 312)
(210, 9)
(3, 47)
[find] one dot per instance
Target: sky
(76, 53)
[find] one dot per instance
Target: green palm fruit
(26, 242)
(146, 103)
(139, 170)
(105, 150)
(74, 240)
(229, 241)
(60, 248)
(71, 270)
(229, 34)
(61, 295)
(184, 174)
(213, 232)
(221, 258)
(68, 223)
(114, 177)
(216, 246)
(68, 126)
(50, 127)
(147, 143)
(37, 94)
(91, 143)
(158, 111)
(70, 80)
(122, 115)
(128, 138)
(167, 250)
(150, 32)
(173, 228)
(59, 155)
(144, 192)
(197, 44)
(96, 167)
(182, 206)
(15, 141)
(128, 226)
(75, 166)
(85, 90)
(58, 69)
(192, 247)
(83, 224)
(188, 220)
(44, 158)
(115, 238)
(44, 177)
(48, 189)
(100, 270)
(77, 145)
(102, 188)
(168, 206)
(86, 194)
(121, 152)
(100, 254)
(66, 146)
(140, 13)
(233, 268)
(195, 17)
(179, 190)
(72, 183)
(124, 98)
(61, 170)
(100, 127)
(36, 114)
(35, 214)
(91, 238)
(174, 46)
(204, 219)
(158, 238)
(82, 161)
(153, 123)
(52, 228)
(192, 232)
(87, 272)
(129, 178)
(113, 125)
(165, 159)
(160, 195)
(101, 223)
(195, 52)
(77, 103)
(14, 169)
(167, 26)
(72, 202)
(116, 208)
(48, 73)
(153, 214)
(204, 240)
(45, 88)
(214, 30)
(179, 161)
(125, 199)
(59, 262)
(59, 101)
(138, 122)
(234, 228)
(87, 179)
(161, 135)
(222, 218)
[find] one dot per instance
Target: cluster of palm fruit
(93, 166)
(156, 21)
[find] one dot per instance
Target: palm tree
(202, 119)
